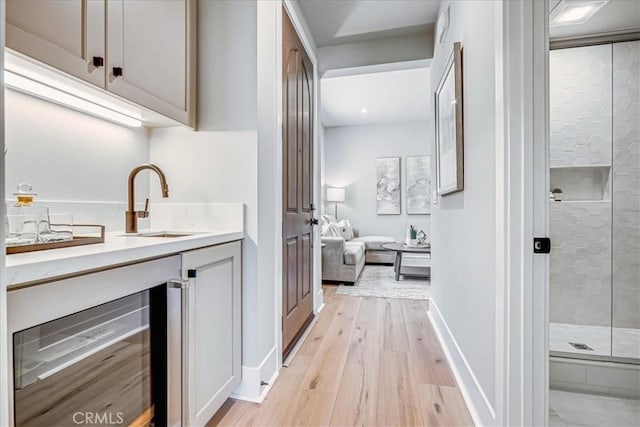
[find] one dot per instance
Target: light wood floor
(366, 362)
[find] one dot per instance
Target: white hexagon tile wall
(580, 115)
(580, 106)
(580, 282)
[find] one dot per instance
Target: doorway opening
(594, 213)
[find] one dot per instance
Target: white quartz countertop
(116, 250)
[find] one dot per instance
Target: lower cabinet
(214, 328)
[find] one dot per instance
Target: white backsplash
(163, 215)
(109, 214)
(197, 216)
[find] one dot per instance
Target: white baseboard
(318, 301)
(251, 388)
(477, 402)
(265, 390)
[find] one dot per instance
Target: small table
(422, 272)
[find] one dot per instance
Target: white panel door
(148, 45)
(214, 328)
(65, 34)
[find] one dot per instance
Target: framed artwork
(418, 185)
(388, 186)
(449, 126)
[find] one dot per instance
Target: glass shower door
(580, 201)
(595, 201)
(626, 200)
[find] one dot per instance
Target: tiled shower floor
(626, 341)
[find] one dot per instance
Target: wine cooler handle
(183, 287)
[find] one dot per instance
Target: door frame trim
(522, 182)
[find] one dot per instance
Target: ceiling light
(49, 93)
(572, 12)
(363, 110)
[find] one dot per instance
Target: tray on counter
(78, 240)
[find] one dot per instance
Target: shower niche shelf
(581, 183)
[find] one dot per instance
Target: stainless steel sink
(163, 234)
(166, 235)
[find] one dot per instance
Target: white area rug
(379, 281)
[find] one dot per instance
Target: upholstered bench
(374, 252)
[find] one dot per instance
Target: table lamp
(335, 195)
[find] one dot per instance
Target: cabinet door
(214, 368)
(150, 43)
(65, 34)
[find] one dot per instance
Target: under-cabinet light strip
(40, 90)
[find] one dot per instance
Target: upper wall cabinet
(65, 34)
(148, 54)
(145, 53)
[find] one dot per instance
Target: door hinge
(312, 207)
(541, 245)
(192, 273)
(282, 323)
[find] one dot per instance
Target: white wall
(350, 162)
(227, 86)
(379, 51)
(218, 167)
(269, 187)
(463, 273)
(75, 162)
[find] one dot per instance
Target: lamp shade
(335, 194)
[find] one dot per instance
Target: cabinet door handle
(98, 61)
(117, 71)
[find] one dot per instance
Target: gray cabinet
(65, 35)
(214, 328)
(141, 51)
(150, 45)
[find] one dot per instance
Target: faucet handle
(145, 212)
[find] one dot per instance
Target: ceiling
(617, 15)
(335, 22)
(388, 97)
